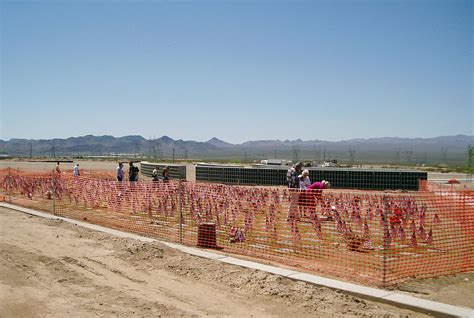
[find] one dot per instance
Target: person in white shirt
(304, 200)
(155, 174)
(75, 171)
(120, 172)
(304, 179)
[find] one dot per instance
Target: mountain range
(450, 150)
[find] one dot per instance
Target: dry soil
(55, 269)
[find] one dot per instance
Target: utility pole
(444, 155)
(153, 147)
(295, 153)
(352, 155)
(31, 150)
(408, 154)
(397, 156)
(316, 153)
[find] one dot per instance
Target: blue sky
(237, 70)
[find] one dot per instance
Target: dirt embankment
(52, 268)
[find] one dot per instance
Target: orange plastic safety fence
(373, 237)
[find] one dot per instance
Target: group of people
(298, 179)
(165, 174)
(75, 170)
(303, 201)
(132, 172)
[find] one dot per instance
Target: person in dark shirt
(133, 172)
(293, 212)
(166, 174)
(292, 176)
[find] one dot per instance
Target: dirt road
(53, 268)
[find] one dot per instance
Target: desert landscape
(236, 158)
(52, 268)
(37, 252)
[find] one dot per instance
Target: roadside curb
(374, 294)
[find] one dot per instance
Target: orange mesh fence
(373, 237)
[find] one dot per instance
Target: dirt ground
(454, 289)
(53, 268)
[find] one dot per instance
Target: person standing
(120, 172)
(133, 172)
(292, 176)
(154, 174)
(305, 198)
(75, 171)
(304, 179)
(293, 213)
(166, 174)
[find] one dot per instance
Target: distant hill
(445, 149)
(219, 143)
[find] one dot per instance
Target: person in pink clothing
(319, 185)
(318, 188)
(313, 194)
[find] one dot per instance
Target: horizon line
(256, 140)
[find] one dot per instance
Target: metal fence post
(180, 208)
(53, 186)
(386, 246)
(9, 185)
